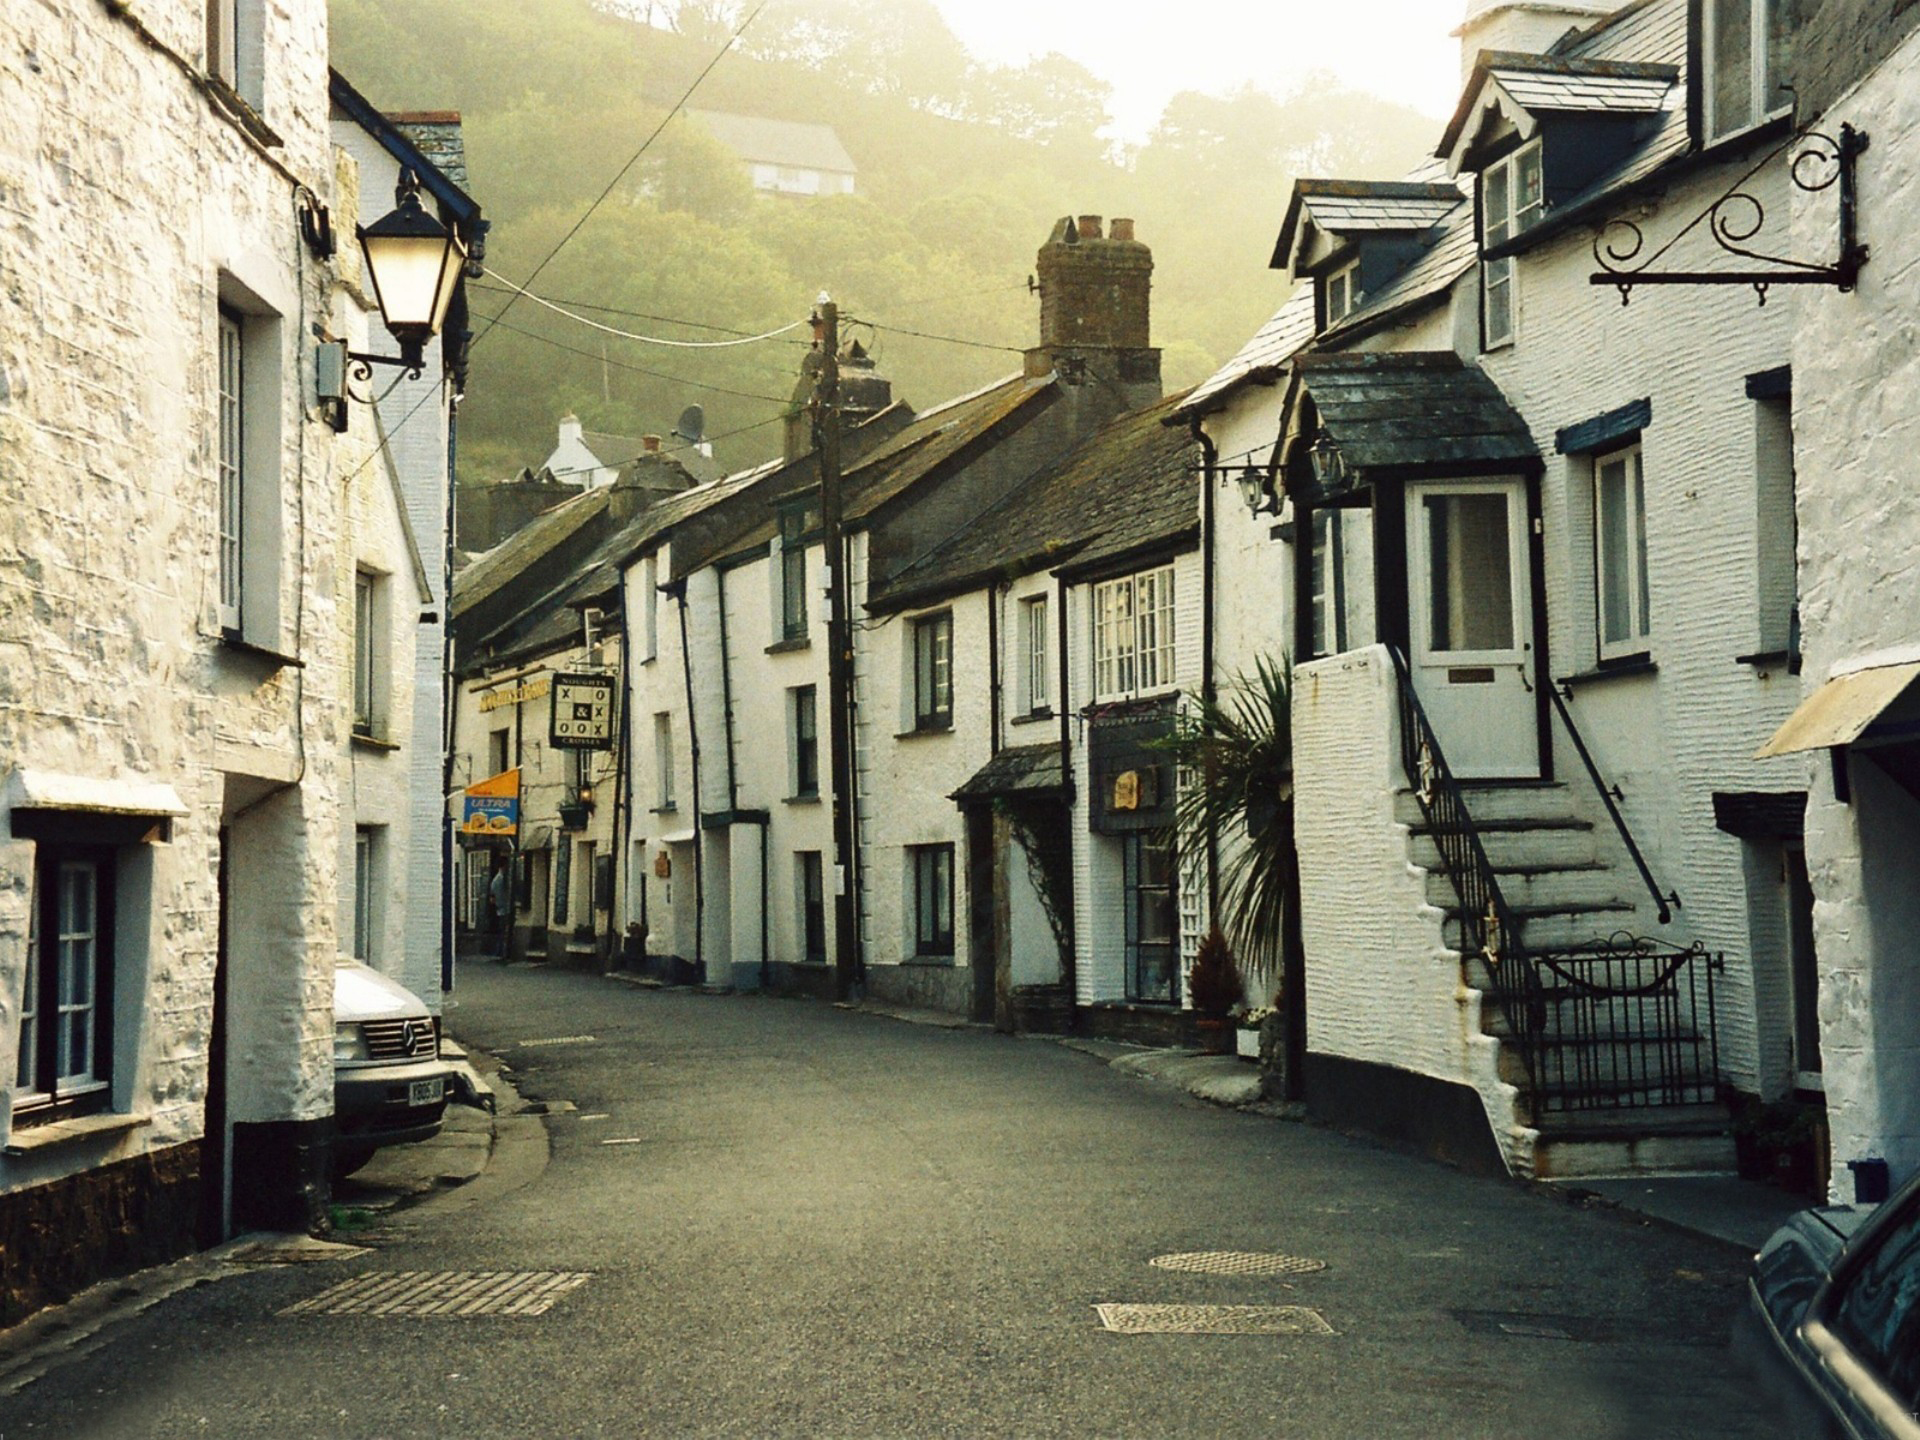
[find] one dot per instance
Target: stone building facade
(170, 652)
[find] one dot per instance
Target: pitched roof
(1259, 360)
(493, 569)
(777, 142)
(1410, 411)
(938, 435)
(1133, 484)
(1543, 84)
(1359, 207)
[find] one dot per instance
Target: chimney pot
(1089, 227)
(1120, 229)
(650, 444)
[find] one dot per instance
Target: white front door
(1470, 594)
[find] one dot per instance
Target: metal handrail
(1486, 920)
(1665, 904)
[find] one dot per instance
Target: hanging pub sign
(582, 712)
(493, 806)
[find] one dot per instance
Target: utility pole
(826, 444)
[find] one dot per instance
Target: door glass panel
(1469, 572)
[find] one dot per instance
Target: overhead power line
(928, 335)
(638, 369)
(630, 314)
(557, 309)
(612, 184)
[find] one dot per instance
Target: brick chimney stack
(1095, 306)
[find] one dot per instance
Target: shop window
(1152, 920)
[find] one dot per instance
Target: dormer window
(1747, 44)
(1340, 293)
(1512, 200)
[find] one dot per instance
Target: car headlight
(349, 1043)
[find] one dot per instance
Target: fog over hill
(961, 169)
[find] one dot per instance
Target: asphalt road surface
(799, 1221)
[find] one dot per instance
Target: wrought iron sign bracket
(1817, 162)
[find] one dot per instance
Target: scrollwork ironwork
(1816, 162)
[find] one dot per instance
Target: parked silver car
(390, 1084)
(1833, 1319)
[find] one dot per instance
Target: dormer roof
(1324, 212)
(1515, 90)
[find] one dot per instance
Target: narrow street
(798, 1220)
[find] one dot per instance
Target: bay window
(1133, 635)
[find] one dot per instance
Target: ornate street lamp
(1253, 489)
(1329, 465)
(414, 264)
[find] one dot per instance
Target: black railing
(1488, 926)
(1621, 1024)
(1666, 903)
(1629, 1024)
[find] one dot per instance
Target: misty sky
(1151, 49)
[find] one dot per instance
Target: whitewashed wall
(109, 629)
(1382, 985)
(1857, 429)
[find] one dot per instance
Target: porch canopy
(1399, 416)
(1021, 772)
(1869, 706)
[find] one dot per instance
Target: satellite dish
(692, 426)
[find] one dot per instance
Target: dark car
(390, 1084)
(1834, 1319)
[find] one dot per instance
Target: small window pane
(1529, 188)
(1616, 617)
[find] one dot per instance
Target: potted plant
(1248, 1023)
(1214, 985)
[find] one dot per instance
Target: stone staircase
(1618, 1092)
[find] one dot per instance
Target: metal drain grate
(559, 1040)
(1213, 1320)
(1237, 1262)
(444, 1292)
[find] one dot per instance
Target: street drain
(444, 1292)
(559, 1040)
(1237, 1262)
(1213, 1320)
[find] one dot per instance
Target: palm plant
(1235, 755)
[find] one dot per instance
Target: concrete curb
(1218, 1079)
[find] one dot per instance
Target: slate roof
(778, 142)
(1410, 411)
(1359, 207)
(1133, 484)
(496, 567)
(1545, 84)
(1260, 359)
(1029, 771)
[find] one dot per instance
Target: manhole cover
(1213, 1320)
(444, 1292)
(1237, 1262)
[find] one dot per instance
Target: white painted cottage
(172, 668)
(1544, 605)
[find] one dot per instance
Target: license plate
(426, 1092)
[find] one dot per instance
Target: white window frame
(663, 760)
(930, 670)
(1036, 696)
(231, 461)
(1340, 293)
(1638, 586)
(1504, 213)
(1761, 61)
(1133, 635)
(236, 47)
(1328, 583)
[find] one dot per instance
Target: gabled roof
(778, 142)
(1535, 85)
(1132, 485)
(1260, 360)
(462, 206)
(1358, 207)
(1411, 412)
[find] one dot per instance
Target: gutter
(676, 590)
(1209, 460)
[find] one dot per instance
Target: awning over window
(89, 809)
(1872, 706)
(1021, 772)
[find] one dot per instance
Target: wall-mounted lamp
(414, 263)
(1329, 465)
(1256, 490)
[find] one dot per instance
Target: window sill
(1773, 127)
(1771, 660)
(27, 1140)
(813, 799)
(1626, 665)
(788, 647)
(937, 962)
(373, 742)
(230, 640)
(664, 810)
(1033, 717)
(923, 731)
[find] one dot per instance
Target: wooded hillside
(962, 168)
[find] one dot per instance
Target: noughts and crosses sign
(582, 712)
